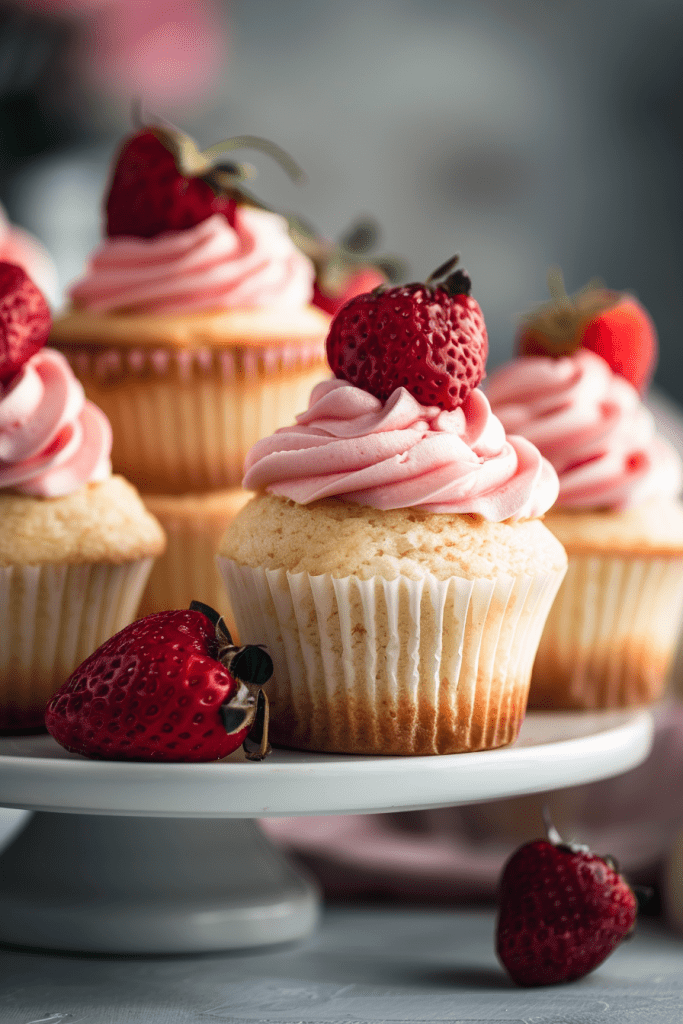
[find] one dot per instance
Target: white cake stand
(124, 857)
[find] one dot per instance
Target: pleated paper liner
(184, 420)
(611, 633)
(393, 667)
(51, 618)
(194, 525)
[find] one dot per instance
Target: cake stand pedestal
(125, 857)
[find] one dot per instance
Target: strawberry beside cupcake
(610, 636)
(392, 560)
(76, 543)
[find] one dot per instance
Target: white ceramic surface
(553, 751)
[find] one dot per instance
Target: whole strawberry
(25, 320)
(428, 338)
(169, 687)
(612, 324)
(163, 182)
(562, 911)
(345, 268)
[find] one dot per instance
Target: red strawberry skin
(148, 195)
(562, 912)
(626, 338)
(424, 339)
(364, 280)
(25, 320)
(150, 693)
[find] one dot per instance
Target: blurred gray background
(520, 134)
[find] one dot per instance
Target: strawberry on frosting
(591, 424)
(182, 235)
(369, 436)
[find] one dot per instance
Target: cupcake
(194, 525)
(194, 330)
(611, 634)
(192, 327)
(392, 560)
(76, 543)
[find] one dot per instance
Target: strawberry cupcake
(193, 327)
(611, 633)
(194, 330)
(393, 560)
(76, 543)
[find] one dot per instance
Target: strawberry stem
(457, 283)
(444, 269)
(281, 156)
(551, 832)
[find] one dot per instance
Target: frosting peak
(209, 266)
(591, 425)
(399, 454)
(52, 441)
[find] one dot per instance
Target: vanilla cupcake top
(182, 236)
(573, 393)
(52, 441)
(404, 424)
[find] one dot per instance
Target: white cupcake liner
(187, 570)
(51, 618)
(393, 666)
(185, 422)
(611, 633)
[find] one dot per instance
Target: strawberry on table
(428, 338)
(562, 911)
(25, 320)
(169, 687)
(612, 324)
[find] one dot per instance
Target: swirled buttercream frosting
(52, 441)
(591, 425)
(399, 454)
(209, 266)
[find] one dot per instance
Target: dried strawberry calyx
(455, 281)
(252, 667)
(225, 176)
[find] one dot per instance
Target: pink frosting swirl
(52, 441)
(209, 266)
(590, 423)
(401, 454)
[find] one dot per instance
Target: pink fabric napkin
(456, 855)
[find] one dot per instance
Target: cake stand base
(114, 884)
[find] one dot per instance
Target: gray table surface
(362, 966)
